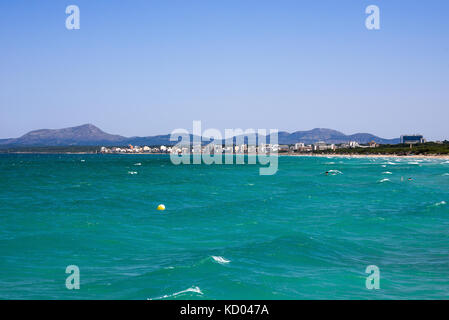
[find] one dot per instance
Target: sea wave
(220, 259)
(335, 172)
(387, 172)
(192, 289)
(441, 203)
(132, 172)
(137, 164)
(384, 180)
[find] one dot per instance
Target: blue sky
(148, 67)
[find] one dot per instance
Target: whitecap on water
(384, 180)
(192, 289)
(132, 172)
(446, 174)
(220, 259)
(137, 164)
(441, 203)
(386, 172)
(334, 172)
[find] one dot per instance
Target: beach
(443, 157)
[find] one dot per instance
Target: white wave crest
(441, 203)
(132, 172)
(137, 164)
(386, 172)
(192, 289)
(384, 180)
(335, 172)
(220, 259)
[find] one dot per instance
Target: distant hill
(86, 134)
(90, 135)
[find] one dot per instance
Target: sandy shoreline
(444, 157)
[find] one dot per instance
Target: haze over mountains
(90, 135)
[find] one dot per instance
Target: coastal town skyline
(91, 139)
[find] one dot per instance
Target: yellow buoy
(161, 207)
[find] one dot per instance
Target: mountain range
(90, 135)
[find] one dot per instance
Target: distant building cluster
(212, 148)
(209, 148)
(321, 146)
(136, 149)
(298, 147)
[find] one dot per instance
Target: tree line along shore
(428, 148)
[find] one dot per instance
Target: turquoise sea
(227, 232)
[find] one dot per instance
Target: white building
(299, 146)
(354, 144)
(321, 145)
